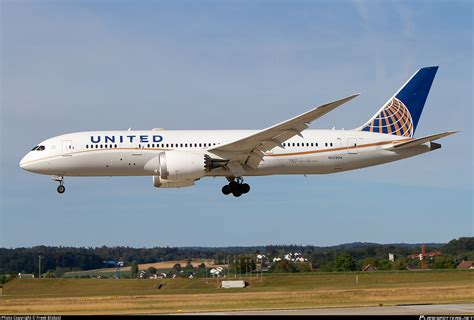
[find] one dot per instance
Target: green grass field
(92, 296)
(100, 287)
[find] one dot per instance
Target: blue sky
(101, 65)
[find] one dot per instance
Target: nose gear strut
(61, 187)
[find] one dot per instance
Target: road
(439, 309)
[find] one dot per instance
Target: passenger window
(115, 146)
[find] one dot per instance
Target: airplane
(178, 158)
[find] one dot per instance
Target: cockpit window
(36, 147)
(40, 148)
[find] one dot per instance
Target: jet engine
(181, 165)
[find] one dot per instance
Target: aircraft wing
(420, 141)
(250, 150)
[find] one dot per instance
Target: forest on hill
(351, 256)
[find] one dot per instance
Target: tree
(59, 272)
(384, 264)
(243, 265)
(325, 267)
(284, 266)
(443, 263)
(344, 262)
(400, 264)
(49, 274)
(303, 267)
(151, 270)
(189, 265)
(461, 245)
(177, 267)
(134, 269)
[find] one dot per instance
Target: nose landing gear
(61, 187)
(237, 188)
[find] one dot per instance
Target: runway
(439, 309)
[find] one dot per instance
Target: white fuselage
(131, 153)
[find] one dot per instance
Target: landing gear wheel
(226, 189)
(61, 189)
(236, 186)
(233, 185)
(237, 193)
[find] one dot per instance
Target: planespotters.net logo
(446, 318)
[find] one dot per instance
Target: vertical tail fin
(401, 113)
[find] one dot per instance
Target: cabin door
(352, 145)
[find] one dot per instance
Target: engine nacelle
(163, 183)
(182, 165)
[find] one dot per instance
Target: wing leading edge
(250, 150)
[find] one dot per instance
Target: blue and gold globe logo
(393, 119)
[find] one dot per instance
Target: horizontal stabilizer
(420, 141)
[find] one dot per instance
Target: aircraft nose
(25, 163)
(30, 163)
(22, 163)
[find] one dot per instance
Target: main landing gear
(61, 187)
(237, 188)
